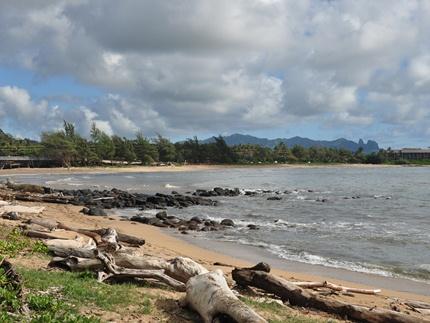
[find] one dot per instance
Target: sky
(321, 69)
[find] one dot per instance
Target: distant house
(413, 153)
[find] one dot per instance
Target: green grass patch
(81, 288)
(13, 242)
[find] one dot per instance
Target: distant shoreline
(180, 168)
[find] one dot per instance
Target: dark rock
(274, 198)
(161, 215)
(184, 232)
(253, 227)
(196, 219)
(174, 193)
(95, 211)
(227, 223)
(193, 226)
(140, 219)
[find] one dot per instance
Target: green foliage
(166, 150)
(41, 303)
(80, 288)
(10, 146)
(69, 149)
(9, 300)
(124, 149)
(57, 146)
(103, 144)
(145, 151)
(12, 242)
(43, 309)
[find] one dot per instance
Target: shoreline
(254, 254)
(162, 244)
(180, 168)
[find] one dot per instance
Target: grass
(81, 288)
(13, 242)
(41, 307)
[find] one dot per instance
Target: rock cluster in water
(217, 191)
(162, 220)
(116, 198)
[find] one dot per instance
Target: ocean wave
(312, 259)
(170, 186)
(60, 180)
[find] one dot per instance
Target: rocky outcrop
(116, 198)
(163, 220)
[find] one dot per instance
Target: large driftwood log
(112, 270)
(179, 268)
(78, 244)
(210, 296)
(93, 233)
(300, 297)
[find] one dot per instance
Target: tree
(222, 153)
(58, 147)
(146, 152)
(124, 149)
(300, 153)
(166, 150)
(103, 144)
(280, 152)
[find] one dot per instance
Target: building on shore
(26, 161)
(413, 153)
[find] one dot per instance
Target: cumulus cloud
(188, 67)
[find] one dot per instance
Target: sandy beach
(164, 245)
(179, 168)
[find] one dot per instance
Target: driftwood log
(299, 297)
(92, 233)
(337, 288)
(210, 296)
(179, 268)
(114, 271)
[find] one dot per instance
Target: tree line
(69, 148)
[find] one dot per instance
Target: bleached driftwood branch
(210, 296)
(112, 270)
(179, 268)
(336, 287)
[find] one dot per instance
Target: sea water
(366, 219)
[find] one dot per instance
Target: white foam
(61, 180)
(170, 186)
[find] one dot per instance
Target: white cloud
(184, 67)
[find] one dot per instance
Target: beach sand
(164, 245)
(172, 168)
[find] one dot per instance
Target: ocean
(372, 220)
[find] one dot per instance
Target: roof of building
(415, 150)
(21, 158)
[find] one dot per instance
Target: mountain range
(238, 139)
